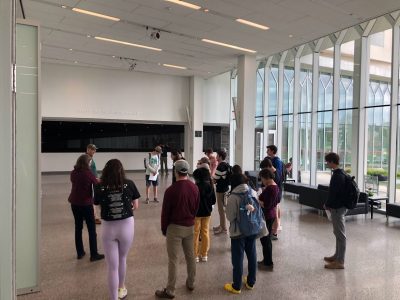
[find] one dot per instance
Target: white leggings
(117, 239)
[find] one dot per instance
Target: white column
(314, 118)
(394, 111)
(246, 110)
(7, 154)
(296, 117)
(194, 126)
(266, 103)
(279, 120)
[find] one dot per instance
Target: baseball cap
(92, 146)
(182, 166)
(158, 149)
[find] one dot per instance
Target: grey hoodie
(232, 210)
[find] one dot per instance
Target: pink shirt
(213, 164)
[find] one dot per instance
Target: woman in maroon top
(268, 201)
(81, 200)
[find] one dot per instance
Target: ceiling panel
(183, 28)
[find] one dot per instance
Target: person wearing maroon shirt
(181, 202)
(81, 199)
(268, 200)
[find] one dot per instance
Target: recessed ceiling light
(70, 49)
(174, 66)
(290, 35)
(252, 24)
(63, 6)
(113, 56)
(127, 43)
(183, 3)
(94, 14)
(75, 62)
(206, 10)
(89, 36)
(228, 45)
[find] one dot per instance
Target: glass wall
(334, 111)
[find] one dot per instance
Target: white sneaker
(197, 259)
(204, 258)
(122, 293)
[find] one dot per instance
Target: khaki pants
(221, 201)
(178, 236)
(201, 228)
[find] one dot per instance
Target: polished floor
(372, 262)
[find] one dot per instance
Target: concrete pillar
(246, 109)
(194, 126)
(7, 199)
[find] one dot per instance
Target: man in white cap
(181, 201)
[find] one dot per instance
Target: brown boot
(330, 258)
(334, 265)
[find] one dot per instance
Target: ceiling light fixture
(185, 4)
(174, 66)
(94, 14)
(126, 43)
(256, 25)
(63, 6)
(228, 45)
(206, 10)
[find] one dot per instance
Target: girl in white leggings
(118, 198)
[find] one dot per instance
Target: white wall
(216, 102)
(89, 93)
(61, 162)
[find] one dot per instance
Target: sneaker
(248, 286)
(156, 200)
(164, 294)
(80, 256)
(220, 231)
(97, 221)
(97, 257)
(147, 201)
(204, 258)
(122, 293)
(280, 228)
(334, 265)
(329, 258)
(228, 287)
(189, 287)
(217, 228)
(274, 237)
(197, 259)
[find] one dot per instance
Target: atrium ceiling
(70, 37)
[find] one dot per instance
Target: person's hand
(154, 173)
(250, 207)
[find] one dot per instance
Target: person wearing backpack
(240, 243)
(336, 206)
(268, 200)
(222, 181)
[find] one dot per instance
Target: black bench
(393, 210)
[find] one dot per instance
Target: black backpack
(351, 191)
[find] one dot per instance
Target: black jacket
(336, 189)
(207, 199)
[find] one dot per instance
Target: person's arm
(98, 194)
(135, 194)
(232, 208)
(165, 213)
(135, 204)
(335, 188)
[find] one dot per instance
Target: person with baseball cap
(152, 164)
(180, 204)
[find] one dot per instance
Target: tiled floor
(372, 265)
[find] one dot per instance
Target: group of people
(186, 214)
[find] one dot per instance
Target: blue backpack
(250, 223)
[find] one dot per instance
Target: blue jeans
(239, 246)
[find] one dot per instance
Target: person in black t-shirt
(222, 180)
(118, 198)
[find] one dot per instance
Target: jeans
(164, 164)
(339, 230)
(177, 237)
(267, 244)
(84, 213)
(201, 229)
(239, 246)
